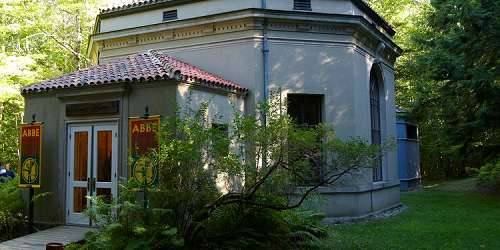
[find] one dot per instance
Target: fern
(11, 209)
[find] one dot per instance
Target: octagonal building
(333, 60)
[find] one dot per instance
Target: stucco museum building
(332, 59)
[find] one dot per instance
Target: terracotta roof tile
(130, 4)
(142, 67)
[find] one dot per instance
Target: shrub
(489, 176)
(11, 209)
(11, 108)
(209, 197)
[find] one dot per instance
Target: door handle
(94, 184)
(88, 185)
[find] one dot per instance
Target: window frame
(170, 15)
(376, 90)
(317, 174)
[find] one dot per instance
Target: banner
(142, 141)
(31, 155)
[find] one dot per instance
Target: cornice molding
(251, 19)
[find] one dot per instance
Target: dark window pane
(411, 132)
(79, 199)
(81, 156)
(302, 4)
(306, 111)
(221, 137)
(105, 193)
(375, 122)
(170, 15)
(104, 155)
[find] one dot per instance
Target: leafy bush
(209, 197)
(489, 176)
(11, 209)
(11, 108)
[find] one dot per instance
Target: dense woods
(447, 77)
(38, 40)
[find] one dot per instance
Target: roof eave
(214, 86)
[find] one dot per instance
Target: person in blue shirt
(2, 169)
(9, 173)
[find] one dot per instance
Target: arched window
(376, 130)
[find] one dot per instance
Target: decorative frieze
(206, 29)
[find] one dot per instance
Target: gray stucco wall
(47, 110)
(335, 65)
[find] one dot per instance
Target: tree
(462, 47)
(212, 197)
(448, 79)
(407, 17)
(10, 118)
(38, 40)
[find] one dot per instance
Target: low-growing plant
(243, 187)
(12, 220)
(488, 176)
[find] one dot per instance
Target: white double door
(92, 167)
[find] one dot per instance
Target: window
(169, 15)
(411, 132)
(375, 121)
(221, 138)
(306, 111)
(302, 4)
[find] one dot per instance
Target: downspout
(265, 59)
(265, 69)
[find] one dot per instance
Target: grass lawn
(448, 215)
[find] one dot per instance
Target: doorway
(92, 166)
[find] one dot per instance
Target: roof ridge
(155, 54)
(145, 66)
(178, 72)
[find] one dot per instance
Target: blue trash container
(408, 152)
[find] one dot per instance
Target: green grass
(446, 215)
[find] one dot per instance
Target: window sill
(382, 184)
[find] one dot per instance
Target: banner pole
(146, 201)
(32, 193)
(31, 210)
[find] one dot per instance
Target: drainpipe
(265, 56)
(265, 69)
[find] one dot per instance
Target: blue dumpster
(408, 152)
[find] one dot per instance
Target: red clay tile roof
(142, 67)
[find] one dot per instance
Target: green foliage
(125, 226)
(38, 40)
(448, 79)
(10, 117)
(489, 176)
(44, 38)
(11, 209)
(460, 59)
(210, 197)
